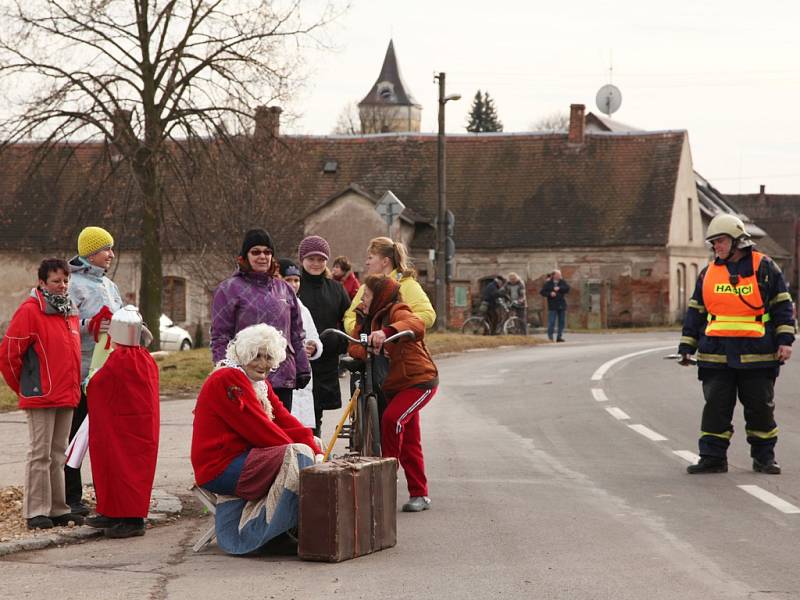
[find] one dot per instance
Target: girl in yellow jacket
(385, 257)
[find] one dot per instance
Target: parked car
(174, 337)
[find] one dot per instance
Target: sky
(726, 71)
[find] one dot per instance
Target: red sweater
(40, 355)
(229, 420)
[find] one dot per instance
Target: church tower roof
(389, 89)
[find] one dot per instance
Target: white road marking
(771, 499)
(598, 374)
(617, 413)
(599, 395)
(689, 457)
(648, 433)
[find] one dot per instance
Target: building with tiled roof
(616, 212)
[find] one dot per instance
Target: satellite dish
(609, 99)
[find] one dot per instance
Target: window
(386, 91)
(173, 298)
(330, 166)
(691, 220)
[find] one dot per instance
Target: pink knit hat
(314, 244)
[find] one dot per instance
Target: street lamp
(441, 220)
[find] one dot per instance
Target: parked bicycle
(360, 423)
(506, 322)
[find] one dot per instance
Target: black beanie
(289, 268)
(256, 237)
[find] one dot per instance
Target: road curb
(163, 506)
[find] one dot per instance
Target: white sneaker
(417, 504)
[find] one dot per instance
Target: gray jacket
(90, 289)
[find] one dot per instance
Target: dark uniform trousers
(755, 389)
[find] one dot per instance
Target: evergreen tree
(476, 114)
(490, 120)
(483, 114)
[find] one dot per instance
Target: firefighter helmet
(730, 225)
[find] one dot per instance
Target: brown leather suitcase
(348, 508)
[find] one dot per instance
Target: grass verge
(184, 372)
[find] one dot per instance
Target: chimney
(268, 121)
(762, 193)
(577, 124)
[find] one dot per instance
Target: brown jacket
(410, 363)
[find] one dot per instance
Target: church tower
(389, 106)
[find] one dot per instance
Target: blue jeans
(561, 313)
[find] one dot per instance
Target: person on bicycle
(515, 288)
(410, 384)
(490, 299)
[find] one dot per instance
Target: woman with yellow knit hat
(95, 295)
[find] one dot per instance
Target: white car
(174, 337)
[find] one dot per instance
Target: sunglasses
(256, 252)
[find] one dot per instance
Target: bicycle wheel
(372, 428)
(475, 326)
(514, 326)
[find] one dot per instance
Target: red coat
(40, 355)
(123, 431)
(229, 420)
(351, 284)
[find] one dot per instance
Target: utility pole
(441, 181)
(441, 213)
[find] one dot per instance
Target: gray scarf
(59, 303)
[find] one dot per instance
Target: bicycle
(360, 422)
(507, 323)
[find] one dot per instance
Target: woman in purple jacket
(254, 295)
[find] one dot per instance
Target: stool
(209, 500)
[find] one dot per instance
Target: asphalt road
(554, 475)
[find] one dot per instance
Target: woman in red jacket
(410, 384)
(41, 362)
(246, 447)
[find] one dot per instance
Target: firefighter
(740, 323)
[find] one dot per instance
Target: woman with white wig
(246, 447)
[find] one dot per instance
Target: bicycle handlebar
(363, 341)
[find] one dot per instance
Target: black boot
(125, 528)
(709, 464)
(39, 522)
(769, 466)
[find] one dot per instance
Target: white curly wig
(251, 341)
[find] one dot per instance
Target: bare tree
(149, 76)
(348, 122)
(556, 122)
(250, 181)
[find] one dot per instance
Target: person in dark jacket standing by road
(327, 301)
(41, 362)
(554, 289)
(254, 294)
(740, 322)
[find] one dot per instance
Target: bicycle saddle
(354, 365)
